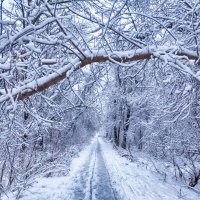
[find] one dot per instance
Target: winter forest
(125, 73)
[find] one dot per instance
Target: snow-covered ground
(135, 181)
(100, 173)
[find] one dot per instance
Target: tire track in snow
(102, 187)
(92, 176)
(81, 187)
(94, 182)
(113, 190)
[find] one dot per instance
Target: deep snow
(100, 173)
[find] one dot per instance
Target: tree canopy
(71, 67)
(42, 42)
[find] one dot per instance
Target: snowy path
(94, 176)
(102, 183)
(100, 173)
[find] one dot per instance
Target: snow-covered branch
(118, 57)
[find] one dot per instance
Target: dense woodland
(68, 69)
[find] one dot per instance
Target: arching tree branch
(120, 57)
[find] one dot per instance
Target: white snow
(32, 47)
(188, 87)
(131, 180)
(55, 188)
(48, 61)
(136, 182)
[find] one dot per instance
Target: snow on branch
(167, 54)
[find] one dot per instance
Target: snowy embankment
(55, 188)
(100, 167)
(138, 181)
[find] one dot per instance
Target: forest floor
(100, 173)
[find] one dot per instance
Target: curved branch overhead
(118, 57)
(72, 70)
(65, 33)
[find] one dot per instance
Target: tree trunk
(116, 136)
(126, 126)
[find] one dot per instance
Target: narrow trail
(93, 183)
(100, 173)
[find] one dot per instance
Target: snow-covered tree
(57, 57)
